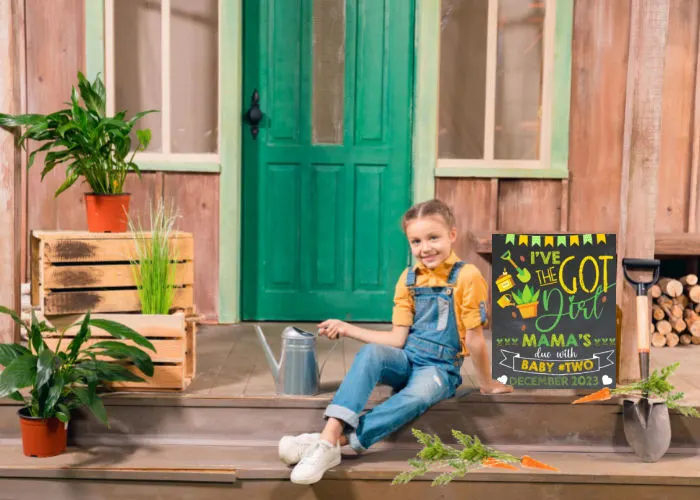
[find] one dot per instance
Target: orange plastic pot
(42, 437)
(107, 213)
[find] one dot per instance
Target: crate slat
(164, 377)
(167, 351)
(105, 301)
(101, 276)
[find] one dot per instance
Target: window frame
(553, 164)
(99, 57)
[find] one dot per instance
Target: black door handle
(254, 115)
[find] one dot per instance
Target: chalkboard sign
(553, 310)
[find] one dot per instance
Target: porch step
(536, 422)
(213, 472)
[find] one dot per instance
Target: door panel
(328, 176)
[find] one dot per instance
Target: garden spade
(646, 422)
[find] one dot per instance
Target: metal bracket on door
(254, 115)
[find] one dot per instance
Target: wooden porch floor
(231, 363)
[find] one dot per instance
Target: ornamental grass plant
(155, 261)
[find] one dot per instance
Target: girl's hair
(427, 208)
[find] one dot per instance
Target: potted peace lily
(94, 147)
(51, 383)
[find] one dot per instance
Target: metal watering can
(297, 372)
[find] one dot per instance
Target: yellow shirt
(471, 290)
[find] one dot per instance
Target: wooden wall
(54, 54)
(590, 200)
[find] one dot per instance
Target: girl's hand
(334, 328)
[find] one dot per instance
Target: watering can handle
(328, 356)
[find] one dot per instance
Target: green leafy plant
(656, 386)
(91, 144)
(525, 296)
(62, 380)
(473, 455)
(155, 261)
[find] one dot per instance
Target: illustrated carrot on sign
(601, 395)
(531, 463)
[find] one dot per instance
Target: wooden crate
(76, 271)
(173, 336)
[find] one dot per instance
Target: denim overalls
(424, 372)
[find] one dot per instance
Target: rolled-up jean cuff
(354, 442)
(341, 413)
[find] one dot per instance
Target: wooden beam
(10, 161)
(640, 160)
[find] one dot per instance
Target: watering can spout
(274, 364)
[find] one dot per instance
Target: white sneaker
(316, 462)
(291, 449)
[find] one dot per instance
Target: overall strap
(411, 277)
(452, 278)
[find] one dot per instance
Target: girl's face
(431, 239)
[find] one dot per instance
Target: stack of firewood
(675, 312)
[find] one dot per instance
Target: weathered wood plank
(599, 63)
(649, 28)
(106, 275)
(55, 54)
(105, 301)
(82, 247)
(167, 351)
(529, 205)
(148, 325)
(196, 197)
(10, 165)
(470, 200)
(164, 377)
(676, 119)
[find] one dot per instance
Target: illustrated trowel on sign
(522, 273)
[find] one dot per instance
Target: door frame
(423, 139)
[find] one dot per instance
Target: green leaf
(144, 137)
(79, 339)
(44, 368)
(36, 340)
(10, 352)
(54, 394)
(13, 315)
(120, 331)
(17, 375)
(89, 398)
(107, 372)
(17, 397)
(119, 350)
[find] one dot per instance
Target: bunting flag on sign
(573, 240)
(561, 241)
(536, 241)
(549, 241)
(600, 238)
(587, 239)
(510, 238)
(522, 240)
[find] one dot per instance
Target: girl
(439, 307)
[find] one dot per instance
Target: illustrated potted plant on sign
(526, 301)
(93, 146)
(66, 377)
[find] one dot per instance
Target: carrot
(492, 462)
(531, 463)
(600, 395)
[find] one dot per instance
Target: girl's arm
(334, 328)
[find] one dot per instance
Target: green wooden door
(328, 176)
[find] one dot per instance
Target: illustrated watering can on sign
(297, 372)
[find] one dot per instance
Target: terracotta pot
(107, 213)
(42, 437)
(528, 310)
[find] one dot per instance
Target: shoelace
(315, 455)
